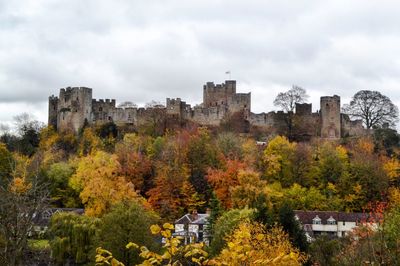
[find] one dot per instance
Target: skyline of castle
(75, 107)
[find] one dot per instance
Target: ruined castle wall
(272, 122)
(351, 128)
(330, 117)
(303, 108)
(208, 116)
(53, 111)
(74, 108)
(240, 102)
(103, 110)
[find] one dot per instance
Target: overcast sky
(149, 50)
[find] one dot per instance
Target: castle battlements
(75, 107)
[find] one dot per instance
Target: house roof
(200, 218)
(43, 218)
(306, 217)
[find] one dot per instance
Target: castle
(75, 107)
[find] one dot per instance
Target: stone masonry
(75, 107)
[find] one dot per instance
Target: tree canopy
(373, 108)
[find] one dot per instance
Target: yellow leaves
(392, 169)
(168, 226)
(19, 185)
(100, 186)
(155, 229)
(251, 244)
(131, 245)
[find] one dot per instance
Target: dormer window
(316, 220)
(331, 220)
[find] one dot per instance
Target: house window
(344, 223)
(316, 220)
(331, 221)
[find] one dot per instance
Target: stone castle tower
(72, 109)
(330, 117)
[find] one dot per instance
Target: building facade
(331, 223)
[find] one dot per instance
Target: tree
(72, 237)
(6, 162)
(20, 202)
(278, 157)
(127, 222)
(173, 253)
(293, 228)
(60, 192)
(373, 108)
(100, 184)
(287, 101)
(252, 244)
(225, 225)
(222, 179)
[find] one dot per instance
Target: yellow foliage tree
(252, 244)
(99, 183)
(278, 157)
(248, 190)
(392, 169)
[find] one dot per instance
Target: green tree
(291, 226)
(60, 192)
(72, 238)
(127, 222)
(6, 162)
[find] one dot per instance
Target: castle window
(100, 109)
(109, 118)
(245, 105)
(54, 108)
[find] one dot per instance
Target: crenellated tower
(330, 117)
(74, 108)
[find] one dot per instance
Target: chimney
(194, 215)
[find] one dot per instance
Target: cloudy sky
(149, 50)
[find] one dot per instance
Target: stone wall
(75, 105)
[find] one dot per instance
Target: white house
(335, 224)
(191, 227)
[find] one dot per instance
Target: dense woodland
(128, 183)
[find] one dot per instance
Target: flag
(228, 72)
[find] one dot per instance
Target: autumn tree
(373, 108)
(249, 189)
(222, 179)
(100, 184)
(225, 225)
(252, 244)
(278, 159)
(201, 155)
(135, 164)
